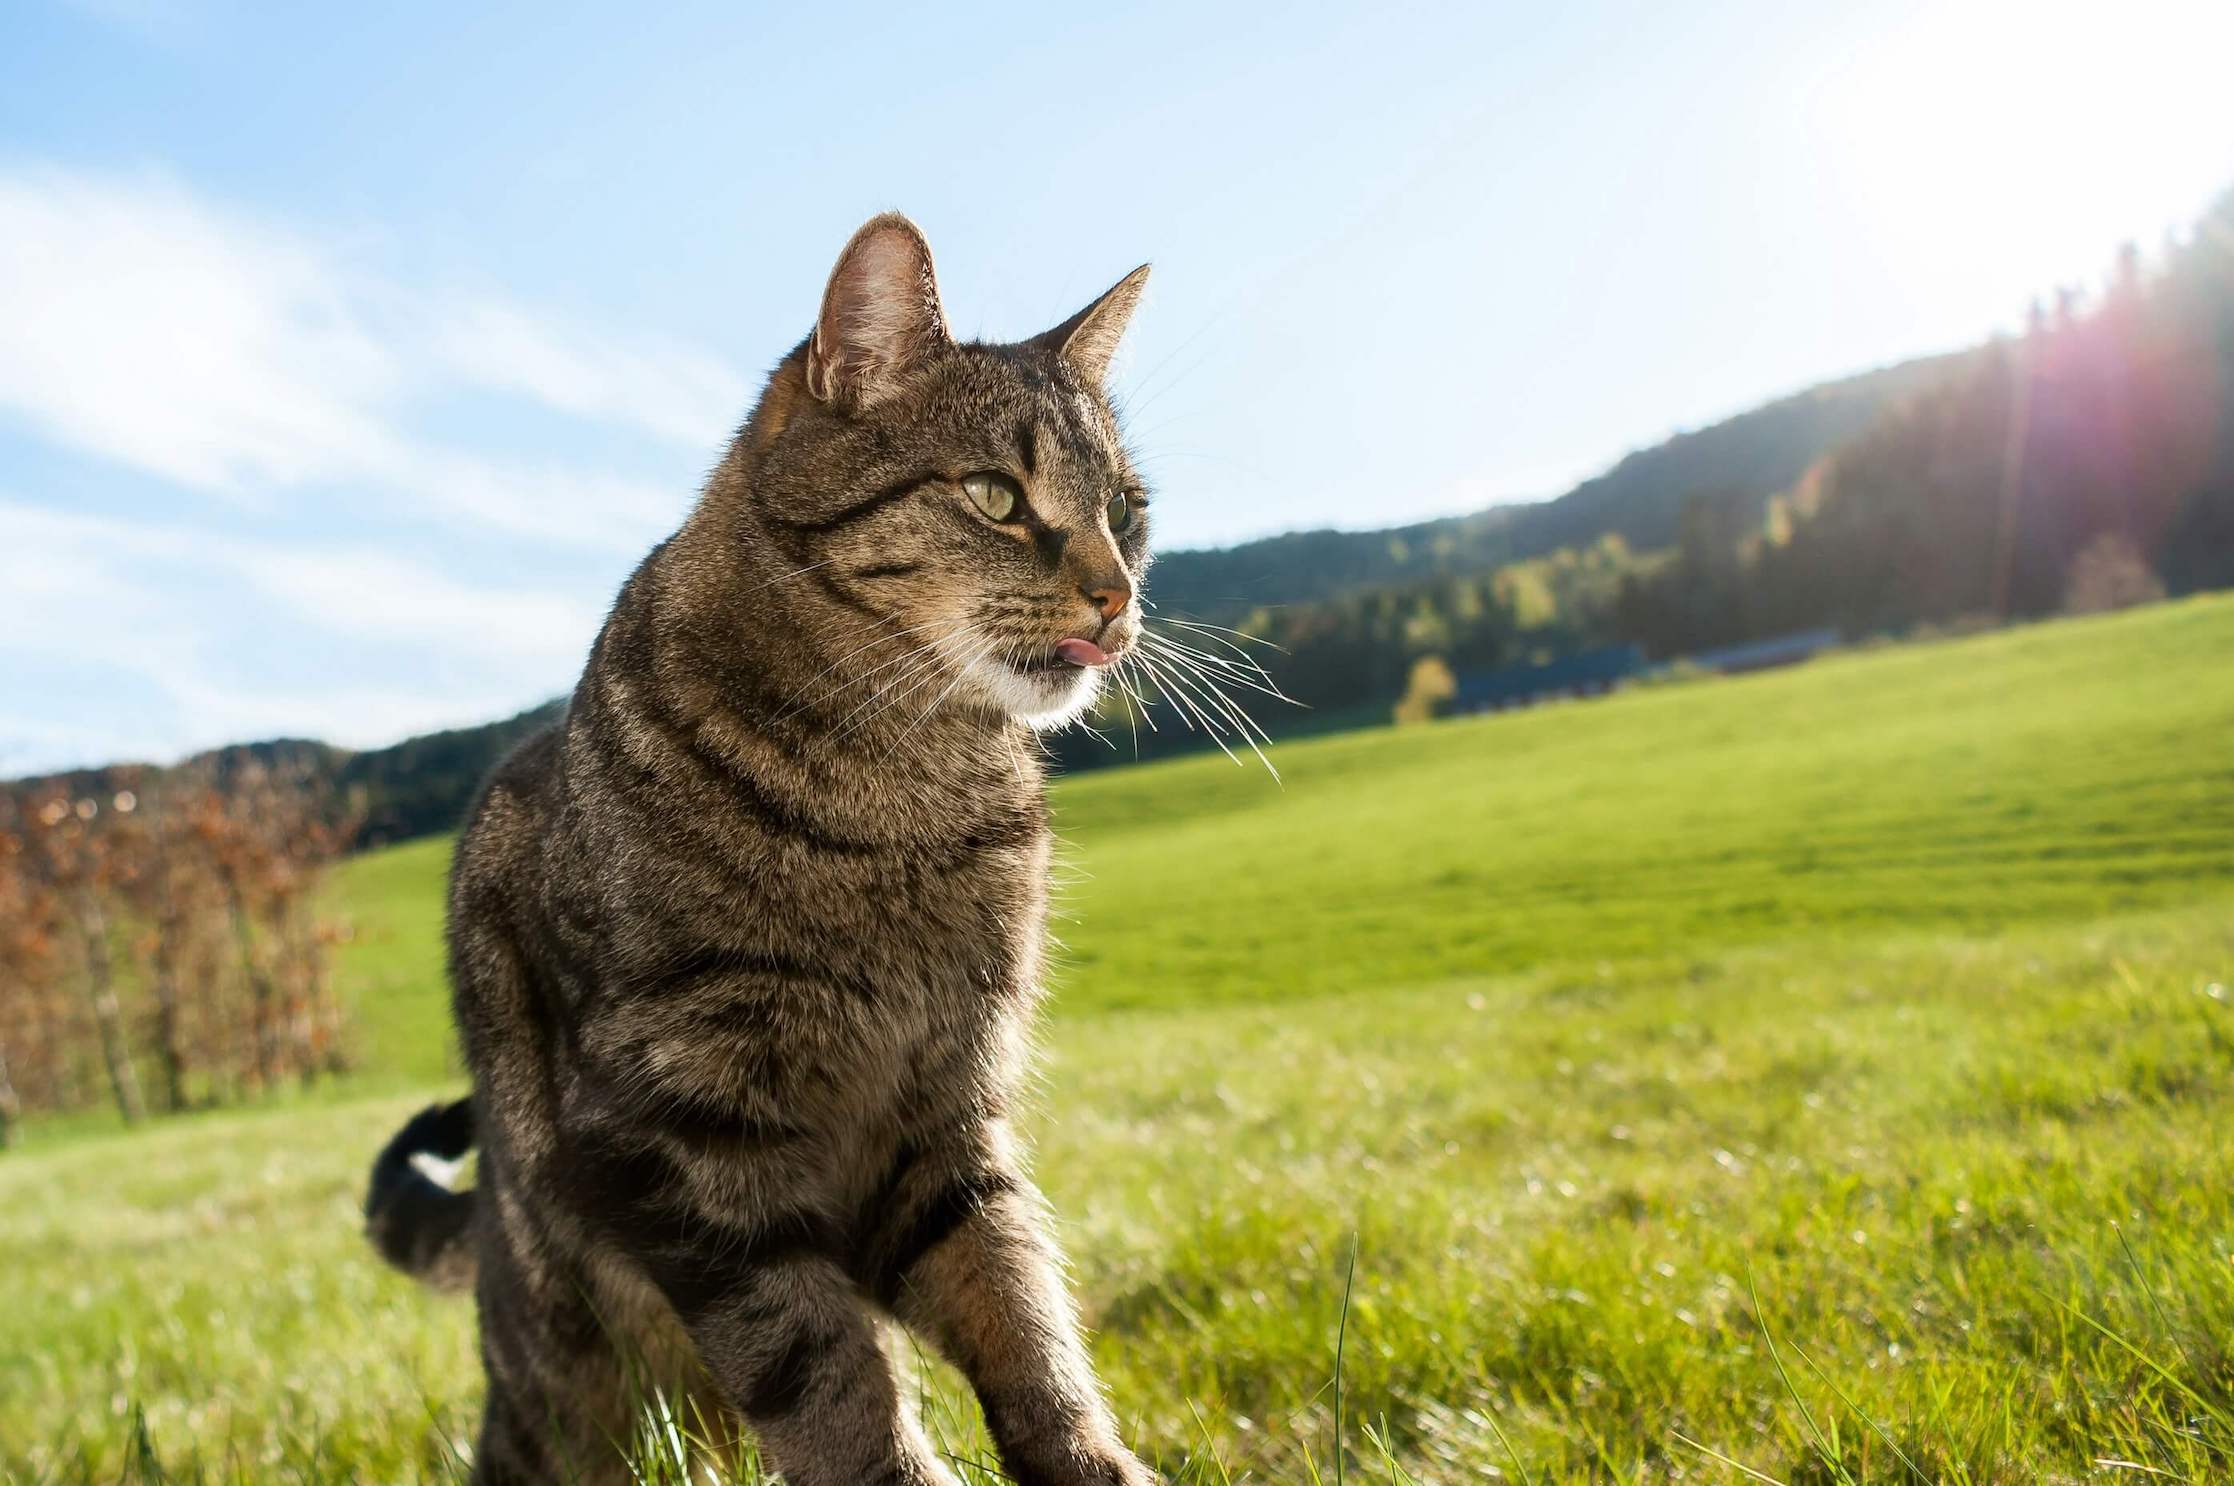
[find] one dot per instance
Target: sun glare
(2004, 145)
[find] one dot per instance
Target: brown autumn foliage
(161, 946)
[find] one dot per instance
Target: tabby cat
(746, 948)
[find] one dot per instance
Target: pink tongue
(1082, 652)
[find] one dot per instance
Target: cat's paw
(920, 1470)
(1076, 1461)
(1113, 1467)
(1128, 1471)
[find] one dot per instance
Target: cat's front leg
(797, 1354)
(971, 1266)
(773, 1314)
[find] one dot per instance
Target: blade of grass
(2141, 1277)
(2149, 1362)
(1341, 1339)
(1716, 1455)
(1489, 1417)
(1815, 1431)
(1210, 1444)
(1856, 1410)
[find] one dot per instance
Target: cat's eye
(995, 495)
(1119, 511)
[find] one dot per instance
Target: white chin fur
(1043, 700)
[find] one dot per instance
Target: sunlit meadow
(1818, 1077)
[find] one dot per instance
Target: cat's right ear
(1088, 340)
(880, 315)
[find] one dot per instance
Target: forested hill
(413, 788)
(1748, 459)
(2087, 464)
(423, 784)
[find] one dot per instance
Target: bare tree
(23, 953)
(2110, 573)
(175, 897)
(37, 1029)
(83, 866)
(172, 919)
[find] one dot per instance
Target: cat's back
(511, 811)
(497, 871)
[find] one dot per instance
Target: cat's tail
(419, 1225)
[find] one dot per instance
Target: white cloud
(145, 326)
(138, 326)
(670, 390)
(254, 366)
(99, 597)
(372, 594)
(49, 556)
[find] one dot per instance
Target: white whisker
(1142, 703)
(853, 680)
(1196, 624)
(1253, 677)
(794, 573)
(1205, 692)
(961, 674)
(1186, 712)
(913, 680)
(1209, 696)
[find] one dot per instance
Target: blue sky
(350, 356)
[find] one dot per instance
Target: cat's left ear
(880, 316)
(1088, 340)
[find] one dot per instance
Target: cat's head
(966, 514)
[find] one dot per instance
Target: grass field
(1823, 1074)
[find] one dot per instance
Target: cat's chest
(940, 914)
(959, 918)
(964, 923)
(933, 974)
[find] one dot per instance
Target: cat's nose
(1108, 596)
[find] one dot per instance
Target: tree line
(1341, 662)
(162, 946)
(2086, 464)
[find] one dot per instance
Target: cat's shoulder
(512, 807)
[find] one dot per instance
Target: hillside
(2061, 770)
(2089, 465)
(422, 784)
(406, 790)
(1749, 458)
(2085, 466)
(1582, 1070)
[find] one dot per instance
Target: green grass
(1827, 1070)
(391, 969)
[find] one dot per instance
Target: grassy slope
(2053, 772)
(391, 970)
(1886, 984)
(2057, 772)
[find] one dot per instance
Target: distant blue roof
(1600, 667)
(1782, 650)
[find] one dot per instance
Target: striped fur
(745, 950)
